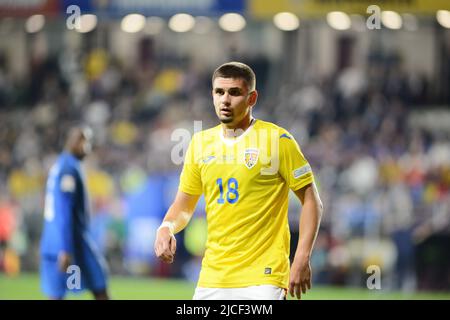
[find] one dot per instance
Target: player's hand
(300, 278)
(64, 261)
(165, 245)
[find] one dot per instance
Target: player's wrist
(302, 256)
(167, 224)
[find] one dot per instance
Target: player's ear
(253, 96)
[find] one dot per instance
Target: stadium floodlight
(133, 23)
(443, 17)
(339, 20)
(202, 25)
(286, 21)
(410, 22)
(232, 22)
(391, 20)
(88, 22)
(181, 22)
(35, 23)
(153, 25)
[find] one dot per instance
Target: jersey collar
(230, 142)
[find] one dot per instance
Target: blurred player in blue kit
(66, 240)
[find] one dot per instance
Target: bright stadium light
(88, 22)
(35, 23)
(133, 23)
(391, 20)
(181, 22)
(410, 22)
(203, 25)
(232, 22)
(286, 21)
(339, 20)
(154, 25)
(443, 17)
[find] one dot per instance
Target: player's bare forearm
(300, 277)
(310, 217)
(176, 219)
(181, 210)
(64, 261)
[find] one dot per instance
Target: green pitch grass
(27, 287)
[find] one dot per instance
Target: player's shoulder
(207, 134)
(68, 164)
(282, 132)
(286, 140)
(261, 124)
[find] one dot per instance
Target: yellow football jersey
(245, 182)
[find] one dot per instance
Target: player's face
(232, 100)
(84, 147)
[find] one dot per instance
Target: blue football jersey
(66, 214)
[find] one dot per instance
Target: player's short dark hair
(236, 70)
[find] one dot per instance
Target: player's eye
(234, 92)
(219, 92)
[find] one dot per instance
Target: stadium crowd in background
(383, 178)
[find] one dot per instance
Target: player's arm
(65, 210)
(176, 219)
(311, 213)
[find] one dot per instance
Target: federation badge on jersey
(251, 157)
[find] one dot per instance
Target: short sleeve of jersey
(294, 168)
(190, 179)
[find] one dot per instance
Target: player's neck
(230, 132)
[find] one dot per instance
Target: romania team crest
(251, 157)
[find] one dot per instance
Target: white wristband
(169, 225)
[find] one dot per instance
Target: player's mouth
(226, 112)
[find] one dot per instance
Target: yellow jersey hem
(240, 284)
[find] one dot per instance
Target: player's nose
(225, 99)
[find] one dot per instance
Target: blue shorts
(88, 271)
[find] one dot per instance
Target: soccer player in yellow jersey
(245, 167)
